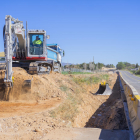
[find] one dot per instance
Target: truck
(21, 51)
(54, 53)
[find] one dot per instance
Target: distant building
(135, 69)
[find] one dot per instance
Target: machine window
(36, 44)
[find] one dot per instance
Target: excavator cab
(36, 45)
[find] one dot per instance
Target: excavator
(21, 51)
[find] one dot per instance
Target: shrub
(137, 72)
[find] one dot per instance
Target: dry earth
(56, 101)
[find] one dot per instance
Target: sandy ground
(25, 114)
(11, 109)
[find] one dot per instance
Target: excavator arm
(13, 30)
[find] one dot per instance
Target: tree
(137, 65)
(100, 65)
(120, 65)
(127, 64)
(110, 66)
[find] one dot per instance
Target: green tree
(110, 66)
(137, 65)
(120, 65)
(100, 65)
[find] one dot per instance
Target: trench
(110, 114)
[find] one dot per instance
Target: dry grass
(91, 79)
(69, 108)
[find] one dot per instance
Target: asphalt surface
(132, 80)
(87, 134)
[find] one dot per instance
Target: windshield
(36, 44)
(53, 47)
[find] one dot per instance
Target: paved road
(132, 80)
(87, 134)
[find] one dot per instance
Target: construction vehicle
(54, 54)
(22, 52)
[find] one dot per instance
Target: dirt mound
(42, 86)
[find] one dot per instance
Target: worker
(37, 41)
(38, 46)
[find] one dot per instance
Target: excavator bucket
(2, 85)
(26, 86)
(104, 89)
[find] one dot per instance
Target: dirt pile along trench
(56, 101)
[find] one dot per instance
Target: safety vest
(37, 42)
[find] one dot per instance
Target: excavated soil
(11, 109)
(56, 101)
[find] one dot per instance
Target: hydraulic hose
(3, 32)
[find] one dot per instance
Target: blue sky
(109, 30)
